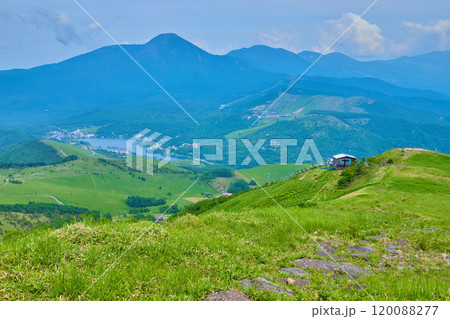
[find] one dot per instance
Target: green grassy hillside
(262, 174)
(97, 184)
(413, 177)
(12, 137)
(18, 218)
(67, 150)
(270, 173)
(31, 151)
(402, 197)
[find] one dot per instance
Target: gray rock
(326, 265)
(345, 276)
(329, 248)
(341, 276)
(402, 241)
(329, 255)
(361, 255)
(353, 270)
(301, 282)
(362, 249)
(323, 265)
(392, 249)
(378, 236)
(365, 242)
(228, 295)
(262, 284)
(296, 282)
(326, 245)
(295, 272)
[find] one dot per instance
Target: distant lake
(106, 143)
(110, 144)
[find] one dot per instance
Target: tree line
(140, 201)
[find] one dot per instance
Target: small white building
(341, 161)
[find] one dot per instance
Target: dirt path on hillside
(62, 152)
(319, 192)
(57, 200)
(6, 183)
(93, 180)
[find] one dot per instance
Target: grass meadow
(93, 184)
(250, 236)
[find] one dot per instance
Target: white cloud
(425, 38)
(276, 39)
(365, 40)
(362, 39)
(66, 31)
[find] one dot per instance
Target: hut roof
(338, 156)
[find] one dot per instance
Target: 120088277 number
(404, 310)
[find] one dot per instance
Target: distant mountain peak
(260, 49)
(166, 38)
(171, 43)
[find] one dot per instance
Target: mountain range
(225, 93)
(428, 71)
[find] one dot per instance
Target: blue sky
(34, 32)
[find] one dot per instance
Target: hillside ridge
(393, 228)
